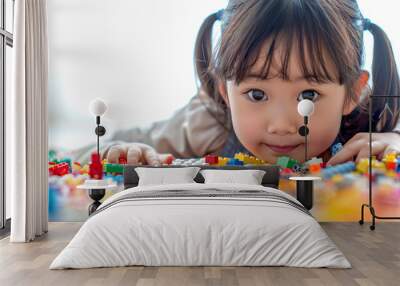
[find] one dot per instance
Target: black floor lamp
(97, 107)
(369, 205)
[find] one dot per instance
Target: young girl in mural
(269, 52)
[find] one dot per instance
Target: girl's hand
(137, 153)
(382, 144)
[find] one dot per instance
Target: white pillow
(249, 177)
(162, 176)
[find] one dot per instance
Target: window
(6, 44)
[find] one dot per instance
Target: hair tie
(219, 14)
(366, 24)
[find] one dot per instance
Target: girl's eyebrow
(258, 77)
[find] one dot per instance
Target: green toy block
(52, 156)
(66, 160)
(113, 168)
(286, 162)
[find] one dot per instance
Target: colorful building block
(336, 148)
(59, 169)
(314, 168)
(314, 160)
(113, 168)
(169, 160)
(234, 162)
(95, 167)
(52, 156)
(84, 170)
(247, 159)
(297, 168)
(211, 159)
(363, 165)
(286, 162)
(338, 169)
(122, 160)
(222, 161)
(76, 167)
(287, 171)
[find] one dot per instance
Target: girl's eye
(308, 94)
(256, 95)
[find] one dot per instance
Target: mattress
(201, 225)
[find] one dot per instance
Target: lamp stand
(305, 138)
(100, 131)
(370, 202)
(303, 131)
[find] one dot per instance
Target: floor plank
(374, 255)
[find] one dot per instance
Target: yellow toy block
(362, 166)
(84, 169)
(259, 161)
(253, 160)
(243, 157)
(390, 157)
(222, 161)
(391, 174)
(338, 178)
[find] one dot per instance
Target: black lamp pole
(305, 137)
(303, 131)
(370, 202)
(100, 131)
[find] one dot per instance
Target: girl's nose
(283, 123)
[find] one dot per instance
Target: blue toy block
(336, 148)
(234, 162)
(338, 169)
(398, 167)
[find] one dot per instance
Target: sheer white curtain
(28, 122)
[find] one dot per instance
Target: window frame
(6, 39)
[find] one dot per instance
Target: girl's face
(265, 118)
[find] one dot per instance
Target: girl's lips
(282, 149)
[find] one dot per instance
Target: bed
(201, 224)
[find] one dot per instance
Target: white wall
(385, 14)
(138, 56)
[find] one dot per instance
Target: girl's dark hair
(321, 31)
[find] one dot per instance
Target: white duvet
(200, 231)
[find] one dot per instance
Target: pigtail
(203, 54)
(385, 79)
(203, 63)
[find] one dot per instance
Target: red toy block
(169, 159)
(95, 167)
(59, 169)
(95, 157)
(391, 165)
(323, 165)
(51, 171)
(122, 160)
(287, 171)
(211, 159)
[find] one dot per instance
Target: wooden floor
(375, 257)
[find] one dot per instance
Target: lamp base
(96, 195)
(374, 216)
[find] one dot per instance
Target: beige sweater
(191, 131)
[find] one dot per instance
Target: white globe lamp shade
(305, 107)
(97, 107)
